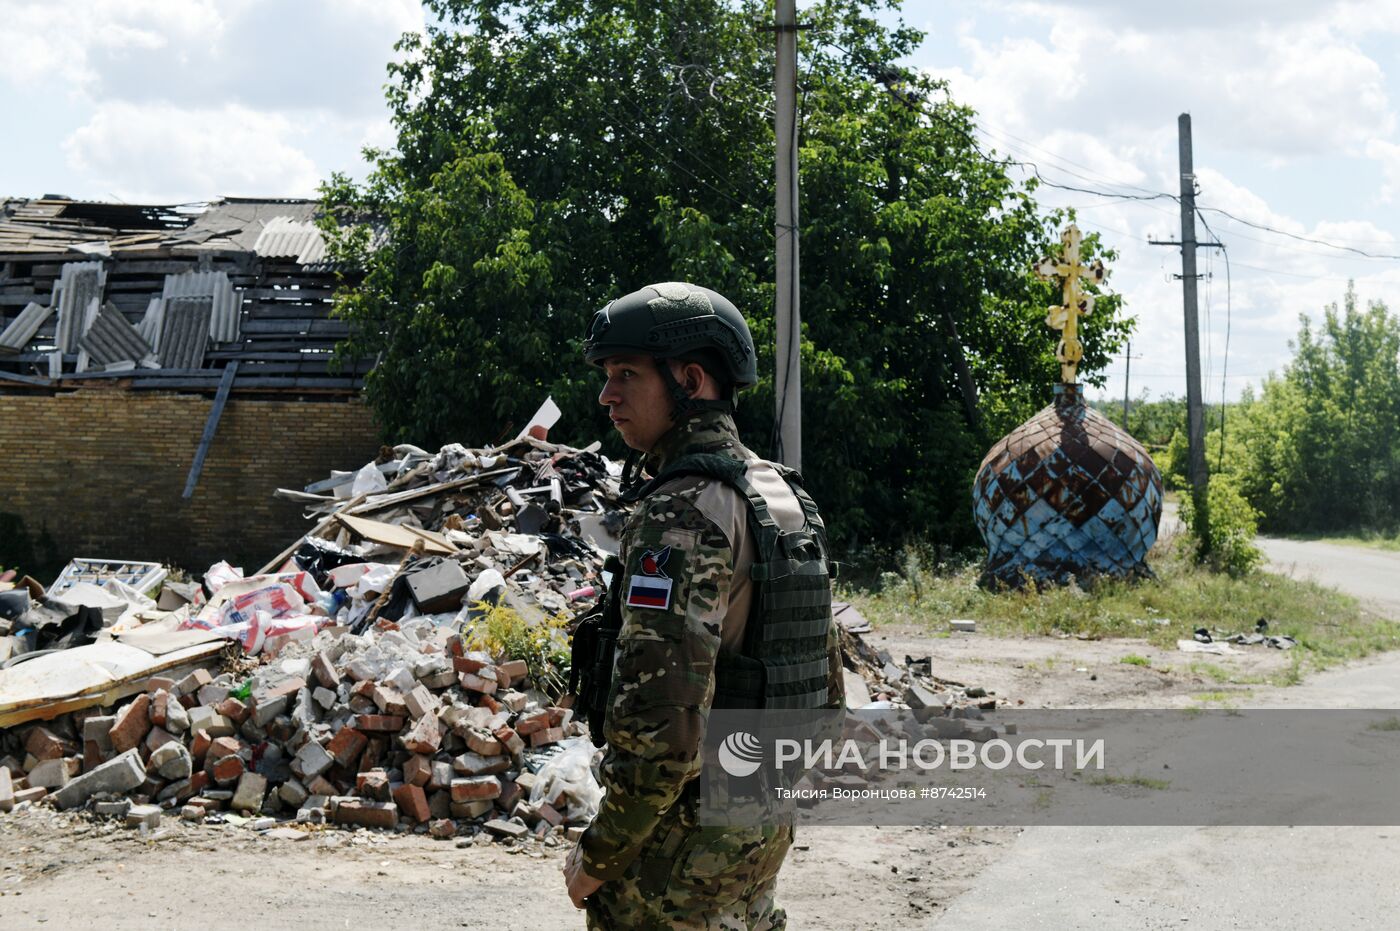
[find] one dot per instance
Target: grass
(1369, 540)
(1330, 627)
(1389, 724)
(1134, 659)
(1142, 781)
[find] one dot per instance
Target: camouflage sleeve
(835, 674)
(674, 595)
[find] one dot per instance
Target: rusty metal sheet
(1066, 495)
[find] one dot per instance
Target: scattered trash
(963, 625)
(1195, 646)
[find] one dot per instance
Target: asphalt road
(1219, 877)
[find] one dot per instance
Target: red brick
(159, 684)
(468, 664)
(199, 781)
(475, 683)
(200, 745)
(347, 744)
(443, 828)
(475, 788)
(490, 704)
(556, 716)
(509, 739)
(527, 724)
(483, 744)
(224, 746)
(227, 770)
(373, 784)
(133, 721)
(234, 710)
(44, 744)
(549, 735)
(379, 723)
(390, 700)
(160, 702)
(324, 671)
(510, 794)
(424, 736)
(412, 802)
(289, 687)
(321, 786)
(551, 814)
(418, 769)
(365, 813)
(516, 669)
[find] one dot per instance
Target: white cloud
(1388, 154)
(188, 99)
(161, 153)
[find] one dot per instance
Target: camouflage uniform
(660, 869)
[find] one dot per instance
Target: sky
(1293, 104)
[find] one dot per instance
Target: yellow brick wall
(103, 470)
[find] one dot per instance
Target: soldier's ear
(692, 378)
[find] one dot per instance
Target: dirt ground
(67, 871)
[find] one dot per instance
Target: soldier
(688, 608)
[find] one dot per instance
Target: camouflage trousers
(698, 879)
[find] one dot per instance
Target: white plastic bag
(570, 771)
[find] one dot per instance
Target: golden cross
(1075, 301)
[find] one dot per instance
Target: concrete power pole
(1195, 416)
(787, 381)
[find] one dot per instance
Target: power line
(1308, 239)
(1225, 361)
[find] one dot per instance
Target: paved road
(1372, 575)
(1219, 878)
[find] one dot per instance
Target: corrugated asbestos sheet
(185, 332)
(75, 294)
(22, 329)
(225, 301)
(285, 237)
(111, 338)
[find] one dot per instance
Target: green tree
(1319, 449)
(555, 154)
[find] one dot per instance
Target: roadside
(905, 877)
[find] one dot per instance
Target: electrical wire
(1225, 361)
(1308, 239)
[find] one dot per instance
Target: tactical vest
(783, 662)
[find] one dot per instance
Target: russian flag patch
(645, 591)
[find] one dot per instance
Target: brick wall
(103, 471)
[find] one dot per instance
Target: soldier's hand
(579, 883)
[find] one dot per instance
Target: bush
(1224, 535)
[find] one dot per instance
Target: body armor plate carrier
(783, 662)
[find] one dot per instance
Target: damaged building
(161, 368)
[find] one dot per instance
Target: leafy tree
(555, 154)
(1319, 449)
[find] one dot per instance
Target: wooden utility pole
(787, 381)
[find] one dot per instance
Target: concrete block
(51, 774)
(364, 813)
(249, 794)
(147, 816)
(120, 774)
(312, 760)
(506, 828)
(172, 760)
(474, 764)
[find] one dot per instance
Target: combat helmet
(674, 319)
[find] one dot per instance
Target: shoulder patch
(649, 591)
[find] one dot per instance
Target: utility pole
(1195, 416)
(787, 380)
(1127, 378)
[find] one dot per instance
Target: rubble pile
(405, 728)
(400, 666)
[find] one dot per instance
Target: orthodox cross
(1075, 302)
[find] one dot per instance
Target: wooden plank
(210, 426)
